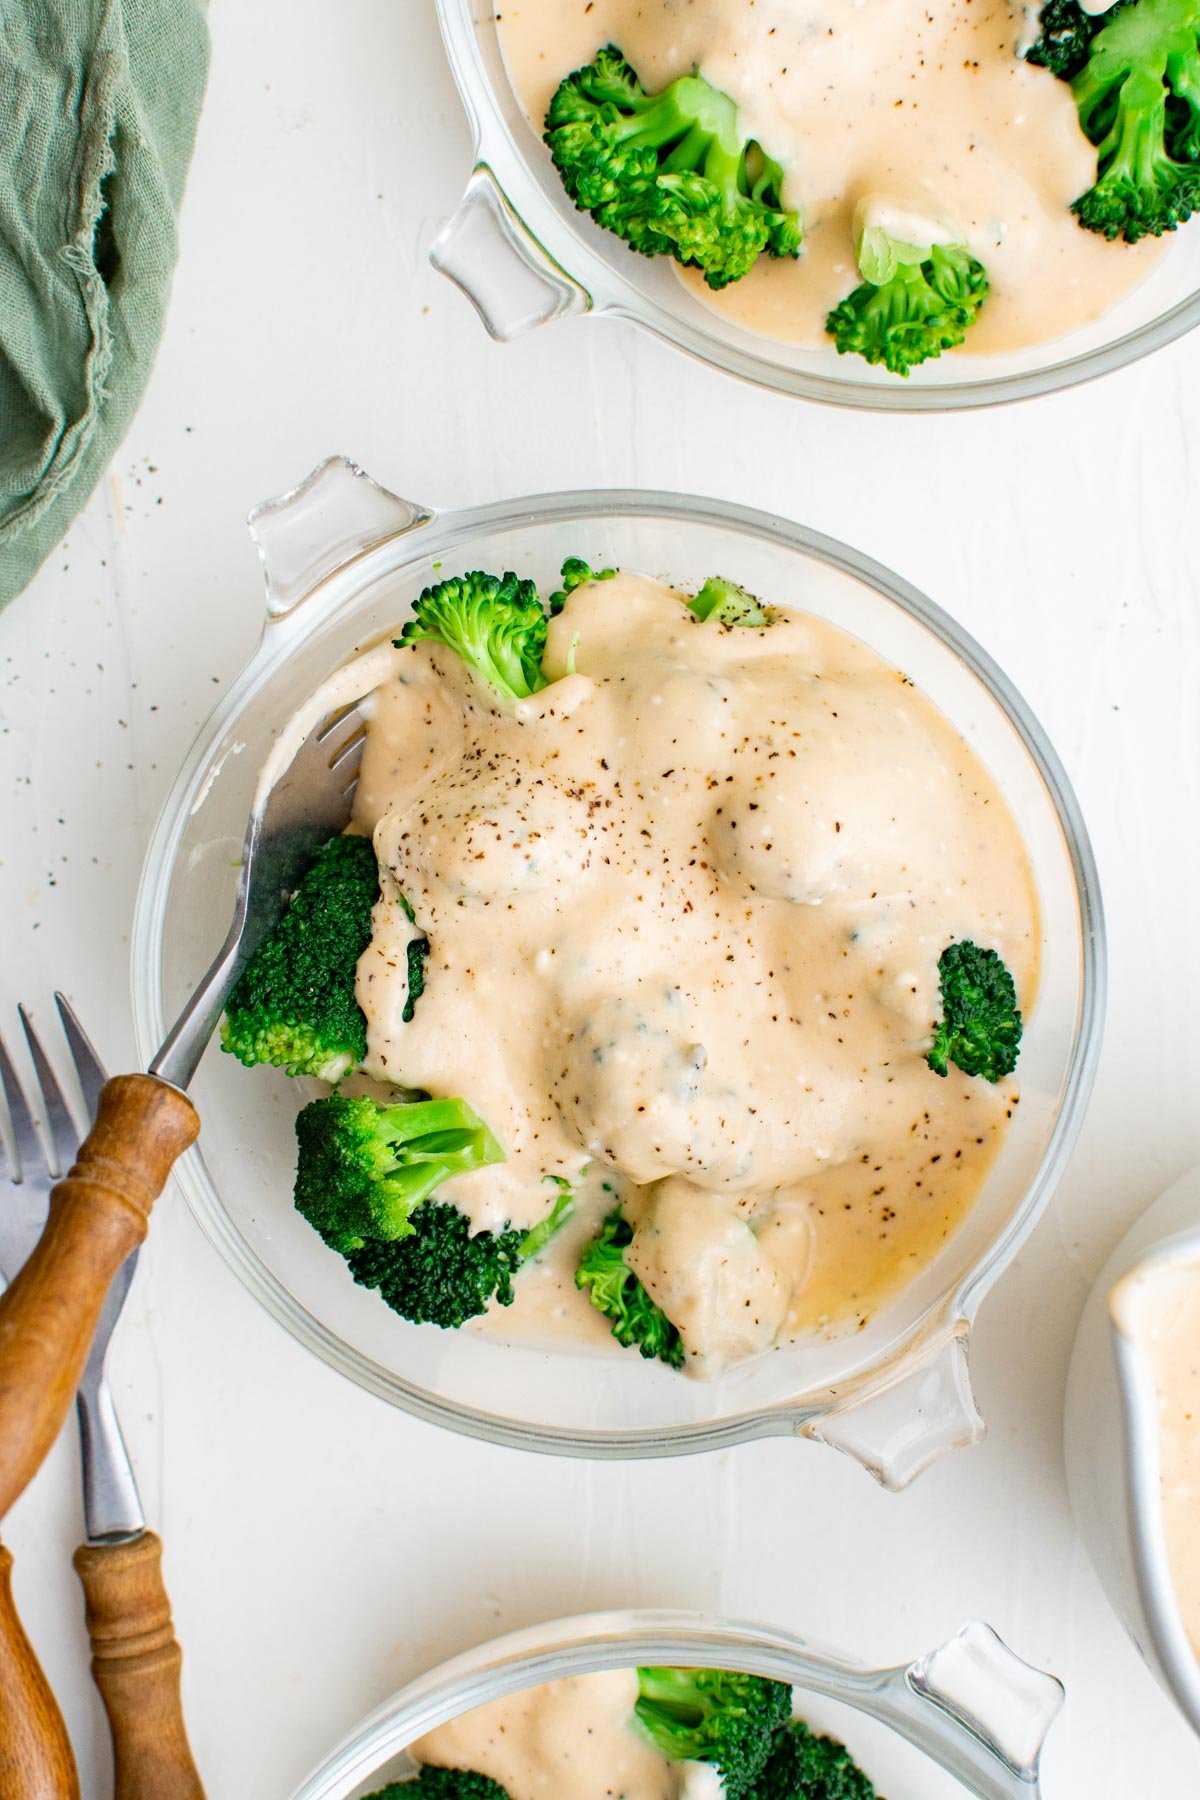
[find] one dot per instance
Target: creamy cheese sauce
(569, 1740)
(685, 907)
(1159, 1310)
(927, 108)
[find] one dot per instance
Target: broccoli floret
(417, 955)
(364, 1168)
(293, 1004)
(494, 622)
(915, 301)
(716, 1716)
(803, 1766)
(443, 1784)
(1138, 96)
(615, 1290)
(981, 1026)
(443, 1273)
(1065, 35)
(729, 604)
(671, 173)
(574, 573)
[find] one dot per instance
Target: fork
(135, 1657)
(100, 1211)
(35, 1755)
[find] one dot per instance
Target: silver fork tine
(341, 715)
(88, 1066)
(63, 1134)
(353, 748)
(31, 1158)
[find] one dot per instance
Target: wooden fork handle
(98, 1214)
(135, 1662)
(35, 1753)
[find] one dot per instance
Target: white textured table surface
(321, 1547)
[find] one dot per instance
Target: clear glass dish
(524, 256)
(968, 1718)
(344, 559)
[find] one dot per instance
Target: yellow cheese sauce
(1158, 1308)
(685, 907)
(568, 1740)
(926, 109)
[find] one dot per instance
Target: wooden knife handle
(35, 1753)
(136, 1662)
(98, 1214)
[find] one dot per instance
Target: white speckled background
(320, 1547)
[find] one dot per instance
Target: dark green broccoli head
(293, 1004)
(716, 1716)
(671, 173)
(914, 302)
(803, 1766)
(1138, 96)
(494, 622)
(441, 1273)
(1065, 34)
(443, 1784)
(363, 1168)
(444, 1273)
(575, 572)
(615, 1290)
(981, 1025)
(729, 604)
(418, 956)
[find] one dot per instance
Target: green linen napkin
(98, 107)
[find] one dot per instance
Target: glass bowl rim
(898, 1698)
(435, 531)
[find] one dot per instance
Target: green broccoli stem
(538, 1236)
(697, 120)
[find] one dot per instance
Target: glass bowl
(970, 1717)
(1112, 1440)
(344, 559)
(524, 256)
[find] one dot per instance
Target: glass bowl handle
(313, 530)
(508, 277)
(979, 1710)
(896, 1432)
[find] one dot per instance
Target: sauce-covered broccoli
(443, 1272)
(671, 173)
(575, 572)
(914, 301)
(614, 1289)
(496, 623)
(366, 1175)
(729, 604)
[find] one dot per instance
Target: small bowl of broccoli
(332, 1196)
(685, 201)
